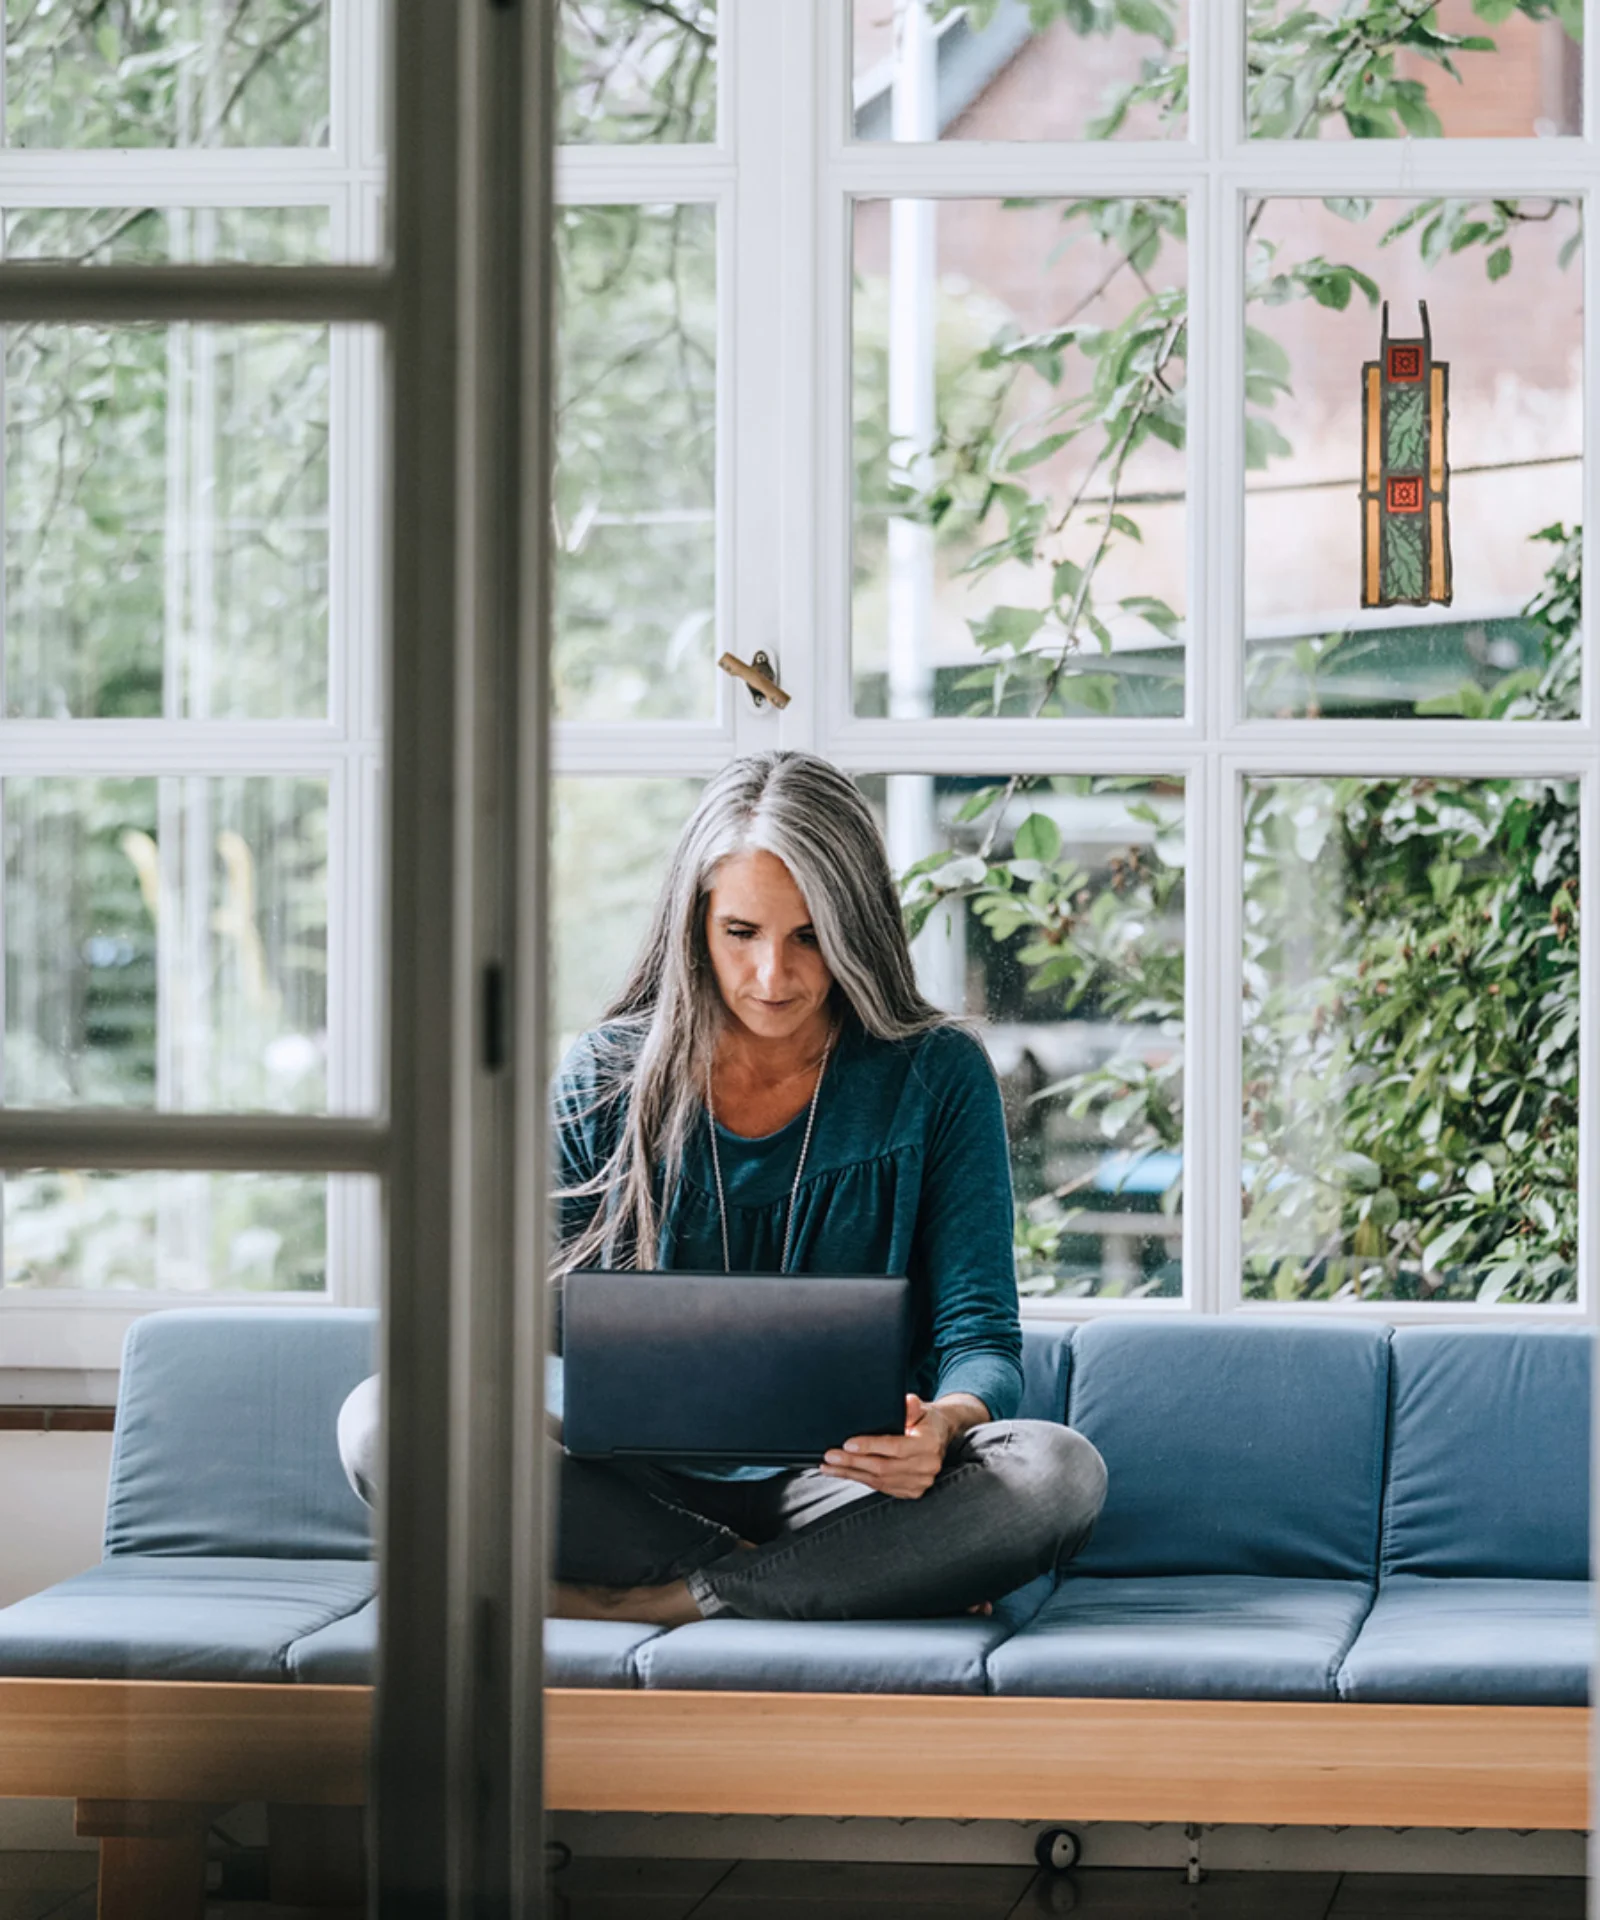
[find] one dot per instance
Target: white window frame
(782, 174)
(65, 1344)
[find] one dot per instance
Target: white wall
(52, 1507)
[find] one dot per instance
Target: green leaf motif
(1402, 575)
(1407, 429)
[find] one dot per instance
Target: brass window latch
(759, 675)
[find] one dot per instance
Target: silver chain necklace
(805, 1148)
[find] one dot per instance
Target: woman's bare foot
(668, 1606)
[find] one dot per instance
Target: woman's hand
(905, 1465)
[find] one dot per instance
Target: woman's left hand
(902, 1465)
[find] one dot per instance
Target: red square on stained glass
(1405, 495)
(1405, 362)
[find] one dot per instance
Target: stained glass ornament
(1405, 490)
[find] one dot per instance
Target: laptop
(757, 1369)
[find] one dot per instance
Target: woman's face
(763, 951)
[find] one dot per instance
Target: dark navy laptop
(763, 1369)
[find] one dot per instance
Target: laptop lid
(764, 1369)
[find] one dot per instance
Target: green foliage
(1411, 946)
(1105, 944)
(1411, 1039)
(1309, 65)
(166, 553)
(163, 73)
(635, 480)
(235, 1233)
(634, 71)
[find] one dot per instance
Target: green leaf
(1433, 1254)
(1038, 838)
(1499, 263)
(1008, 627)
(1262, 442)
(1480, 1178)
(1065, 580)
(1494, 11)
(1146, 16)
(1413, 112)
(1157, 612)
(1040, 451)
(1360, 1170)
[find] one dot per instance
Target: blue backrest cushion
(225, 1440)
(1489, 1453)
(1046, 1368)
(1234, 1445)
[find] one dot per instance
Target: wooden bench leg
(152, 1858)
(317, 1856)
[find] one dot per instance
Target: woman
(770, 1093)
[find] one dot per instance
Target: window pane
(1336, 69)
(629, 73)
(1410, 1039)
(151, 73)
(167, 943)
(1019, 473)
(613, 838)
(167, 1232)
(142, 236)
(167, 539)
(636, 461)
(1051, 912)
(1414, 433)
(1020, 70)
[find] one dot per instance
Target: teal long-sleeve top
(908, 1173)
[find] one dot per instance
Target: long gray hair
(653, 1052)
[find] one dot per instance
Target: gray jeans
(1014, 1499)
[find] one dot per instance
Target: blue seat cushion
(226, 1441)
(344, 1653)
(165, 1618)
(1489, 1454)
(577, 1653)
(1511, 1643)
(1046, 1369)
(823, 1656)
(1234, 1445)
(1195, 1637)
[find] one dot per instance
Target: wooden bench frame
(146, 1760)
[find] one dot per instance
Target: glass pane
(628, 72)
(1020, 69)
(243, 1233)
(167, 537)
(144, 236)
(167, 73)
(167, 943)
(1410, 1039)
(1467, 69)
(1050, 911)
(1019, 470)
(1414, 435)
(636, 463)
(613, 838)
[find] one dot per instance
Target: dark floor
(59, 1886)
(800, 1889)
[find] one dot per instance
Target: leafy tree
(1410, 1061)
(166, 552)
(157, 73)
(631, 71)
